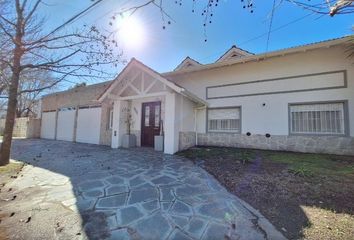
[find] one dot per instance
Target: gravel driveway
(81, 191)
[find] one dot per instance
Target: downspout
(195, 127)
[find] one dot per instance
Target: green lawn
(9, 171)
(12, 167)
(313, 164)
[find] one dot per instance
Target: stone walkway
(123, 194)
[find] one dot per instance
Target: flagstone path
(123, 194)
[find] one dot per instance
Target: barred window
(322, 118)
(224, 120)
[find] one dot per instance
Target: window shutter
(230, 113)
(224, 120)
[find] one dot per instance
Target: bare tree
(327, 7)
(32, 85)
(323, 7)
(26, 46)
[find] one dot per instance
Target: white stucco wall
(187, 115)
(172, 123)
(273, 117)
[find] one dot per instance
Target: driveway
(81, 191)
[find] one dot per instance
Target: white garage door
(88, 125)
(48, 125)
(66, 122)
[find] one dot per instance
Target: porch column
(170, 124)
(118, 123)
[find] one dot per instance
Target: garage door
(66, 122)
(48, 125)
(88, 125)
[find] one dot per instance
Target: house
(295, 99)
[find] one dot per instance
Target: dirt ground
(307, 196)
(8, 173)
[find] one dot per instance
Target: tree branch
(30, 14)
(7, 33)
(8, 21)
(50, 64)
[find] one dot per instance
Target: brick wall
(79, 96)
(106, 132)
(323, 144)
(33, 128)
(186, 140)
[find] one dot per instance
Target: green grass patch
(313, 164)
(12, 167)
(7, 172)
(240, 154)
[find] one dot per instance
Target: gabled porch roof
(130, 73)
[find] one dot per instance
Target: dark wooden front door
(150, 123)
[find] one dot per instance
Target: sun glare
(131, 32)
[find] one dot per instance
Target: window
(224, 120)
(66, 109)
(147, 116)
(157, 116)
(110, 123)
(321, 118)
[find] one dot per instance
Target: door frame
(142, 122)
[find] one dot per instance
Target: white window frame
(345, 119)
(110, 119)
(224, 131)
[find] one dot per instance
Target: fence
(24, 127)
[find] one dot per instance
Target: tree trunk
(11, 110)
(13, 89)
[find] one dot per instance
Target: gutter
(192, 97)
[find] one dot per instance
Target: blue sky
(163, 49)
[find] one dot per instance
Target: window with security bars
(322, 118)
(224, 120)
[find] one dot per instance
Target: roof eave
(193, 97)
(261, 56)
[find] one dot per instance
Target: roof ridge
(313, 45)
(185, 59)
(232, 47)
